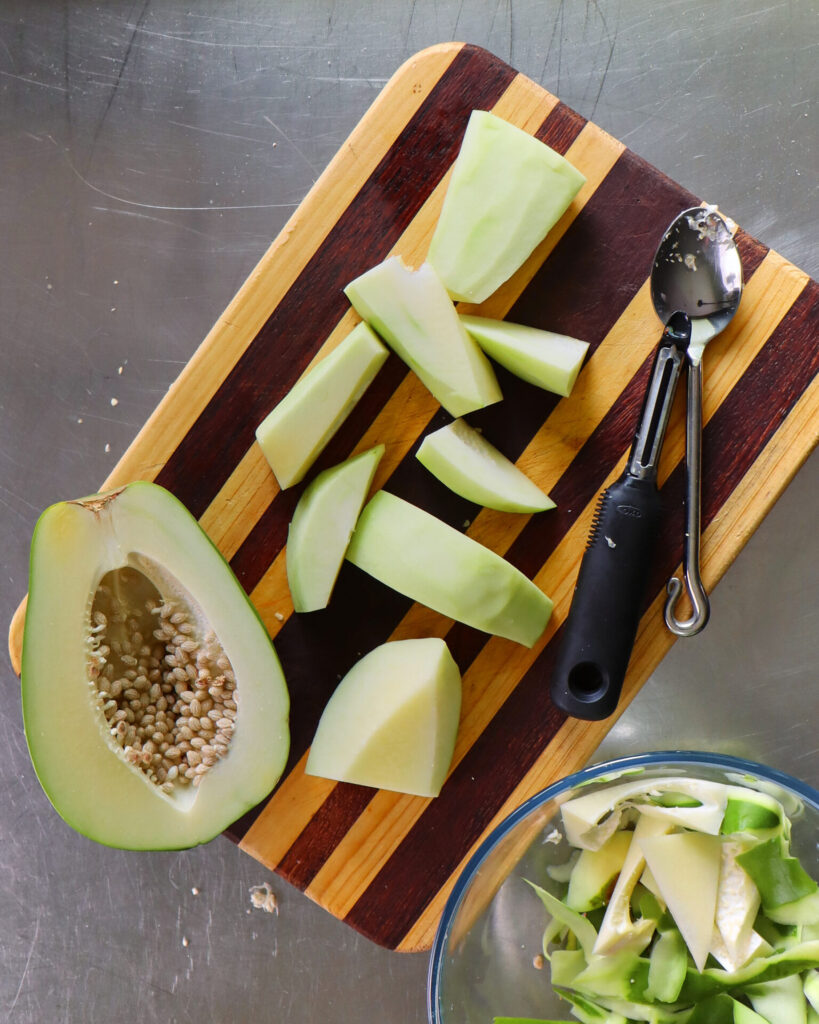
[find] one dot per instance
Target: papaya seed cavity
(159, 677)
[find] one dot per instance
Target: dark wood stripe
(524, 725)
(362, 236)
(324, 832)
(560, 128)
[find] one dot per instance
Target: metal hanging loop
(691, 552)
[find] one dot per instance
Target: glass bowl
(485, 957)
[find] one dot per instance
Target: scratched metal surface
(149, 153)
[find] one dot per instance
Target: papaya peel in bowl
(487, 961)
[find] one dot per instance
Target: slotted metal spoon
(697, 271)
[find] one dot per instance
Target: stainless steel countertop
(149, 153)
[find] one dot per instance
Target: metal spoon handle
(701, 608)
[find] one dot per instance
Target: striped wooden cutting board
(384, 862)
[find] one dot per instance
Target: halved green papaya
(155, 707)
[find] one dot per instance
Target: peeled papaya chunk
(465, 462)
(543, 358)
(507, 190)
(391, 722)
(412, 312)
(322, 526)
(295, 432)
(418, 555)
(155, 708)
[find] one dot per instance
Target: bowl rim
(588, 774)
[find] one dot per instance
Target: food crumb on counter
(185, 941)
(538, 962)
(194, 890)
(262, 897)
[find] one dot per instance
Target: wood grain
(385, 862)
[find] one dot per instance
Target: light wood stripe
(358, 857)
(298, 798)
(577, 740)
(244, 496)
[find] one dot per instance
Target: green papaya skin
(105, 551)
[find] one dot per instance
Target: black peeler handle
(599, 632)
